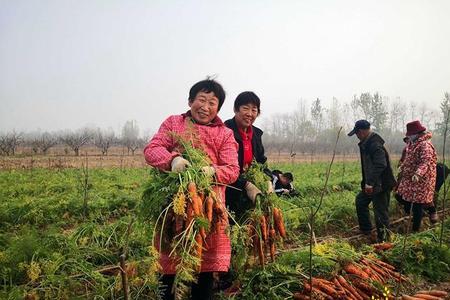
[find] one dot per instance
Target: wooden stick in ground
(445, 187)
(408, 228)
(123, 274)
(313, 213)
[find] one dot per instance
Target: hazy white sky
(66, 64)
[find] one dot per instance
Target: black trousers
(202, 290)
(380, 202)
(416, 209)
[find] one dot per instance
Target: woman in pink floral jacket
(202, 124)
(418, 172)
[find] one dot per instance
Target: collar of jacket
(231, 123)
(423, 137)
(366, 140)
(215, 122)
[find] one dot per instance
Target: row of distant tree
(103, 139)
(308, 129)
(312, 127)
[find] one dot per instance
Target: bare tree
(317, 115)
(9, 142)
(372, 108)
(395, 113)
(76, 139)
(104, 139)
(130, 136)
(412, 110)
(334, 114)
(445, 108)
(43, 142)
(378, 113)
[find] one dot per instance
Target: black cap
(360, 124)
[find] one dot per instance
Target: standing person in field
(242, 192)
(205, 100)
(442, 172)
(418, 173)
(377, 181)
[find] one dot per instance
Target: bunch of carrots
(358, 281)
(266, 222)
(201, 213)
(187, 210)
(264, 231)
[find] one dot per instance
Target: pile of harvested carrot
(430, 295)
(359, 281)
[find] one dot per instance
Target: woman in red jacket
(205, 100)
(418, 172)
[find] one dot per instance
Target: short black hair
(247, 98)
(289, 176)
(207, 86)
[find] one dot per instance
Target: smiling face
(246, 115)
(204, 107)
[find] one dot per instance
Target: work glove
(208, 171)
(368, 189)
(179, 164)
(269, 187)
(252, 191)
(415, 178)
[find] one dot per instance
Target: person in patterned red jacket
(418, 173)
(202, 124)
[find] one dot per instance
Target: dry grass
(60, 158)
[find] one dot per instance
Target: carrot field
(62, 232)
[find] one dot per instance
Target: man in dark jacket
(241, 196)
(377, 180)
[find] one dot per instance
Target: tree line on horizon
(311, 128)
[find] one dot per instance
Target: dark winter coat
(236, 196)
(257, 148)
(375, 164)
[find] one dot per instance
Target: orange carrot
(300, 296)
(189, 213)
(438, 293)
(406, 297)
(363, 286)
(378, 269)
(202, 232)
(427, 297)
(278, 222)
(209, 208)
(263, 225)
(192, 189)
(346, 285)
(434, 293)
(199, 241)
(316, 291)
(383, 246)
(259, 247)
(195, 198)
(346, 292)
(272, 243)
(383, 264)
(363, 294)
(372, 274)
(353, 269)
(328, 287)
